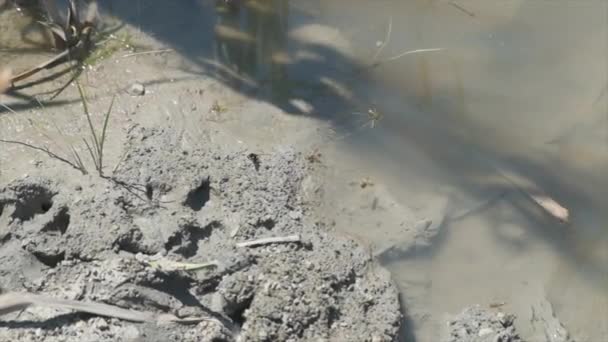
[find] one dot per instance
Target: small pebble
(485, 332)
(136, 89)
(377, 338)
(101, 324)
(296, 215)
(131, 333)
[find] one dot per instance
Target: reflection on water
(510, 88)
(271, 50)
(517, 83)
(251, 40)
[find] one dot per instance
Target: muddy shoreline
(268, 230)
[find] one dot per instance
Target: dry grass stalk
(16, 301)
(270, 240)
(77, 164)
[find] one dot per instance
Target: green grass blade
(103, 132)
(91, 152)
(88, 115)
(78, 160)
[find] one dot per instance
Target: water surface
(519, 85)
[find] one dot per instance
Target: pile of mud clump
(219, 239)
(477, 324)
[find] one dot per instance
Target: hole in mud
(33, 200)
(176, 285)
(46, 206)
(236, 312)
(255, 160)
(267, 223)
(185, 241)
(198, 197)
(59, 223)
(50, 260)
(333, 315)
(149, 192)
(130, 242)
(5, 238)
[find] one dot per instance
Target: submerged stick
(270, 240)
(462, 9)
(386, 39)
(402, 54)
(411, 52)
(537, 195)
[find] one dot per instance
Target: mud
(476, 324)
(84, 238)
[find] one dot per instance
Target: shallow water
(519, 84)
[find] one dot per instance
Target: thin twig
(387, 38)
(464, 10)
(41, 131)
(411, 52)
(270, 240)
(45, 65)
(7, 108)
(75, 155)
(150, 52)
(78, 69)
(45, 150)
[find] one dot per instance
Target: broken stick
(270, 240)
